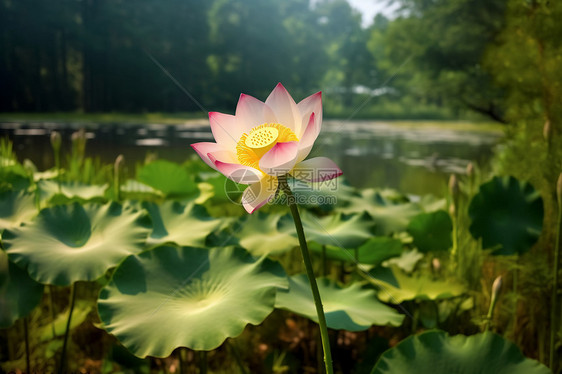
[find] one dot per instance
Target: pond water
(413, 160)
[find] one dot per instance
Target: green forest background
(434, 59)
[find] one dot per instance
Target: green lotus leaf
(352, 308)
(325, 195)
(438, 353)
(171, 297)
(390, 216)
(340, 230)
(49, 191)
(407, 261)
(396, 287)
(259, 235)
(432, 231)
(19, 294)
(69, 243)
(170, 178)
(506, 213)
(135, 188)
(16, 207)
(183, 224)
(373, 252)
(13, 176)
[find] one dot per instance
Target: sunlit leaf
(395, 286)
(407, 261)
(19, 294)
(172, 297)
(79, 314)
(351, 308)
(432, 231)
(258, 233)
(183, 224)
(438, 353)
(69, 243)
(16, 207)
(168, 177)
(341, 230)
(49, 191)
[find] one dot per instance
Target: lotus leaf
(170, 297)
(183, 224)
(16, 207)
(258, 234)
(19, 294)
(170, 178)
(340, 230)
(69, 243)
(373, 252)
(397, 287)
(438, 353)
(506, 213)
(49, 191)
(432, 231)
(352, 308)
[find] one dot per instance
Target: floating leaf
(49, 191)
(183, 224)
(407, 261)
(19, 294)
(432, 231)
(168, 177)
(340, 230)
(389, 216)
(508, 213)
(396, 286)
(172, 297)
(16, 207)
(69, 243)
(258, 234)
(352, 308)
(438, 353)
(373, 252)
(79, 314)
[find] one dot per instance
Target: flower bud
(496, 289)
(547, 131)
(470, 170)
(436, 264)
(119, 161)
(56, 140)
(454, 187)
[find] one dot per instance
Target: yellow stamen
(252, 146)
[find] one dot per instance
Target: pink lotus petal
(285, 109)
(225, 129)
(312, 104)
(309, 137)
(258, 194)
(236, 172)
(204, 148)
(317, 169)
(280, 159)
(250, 112)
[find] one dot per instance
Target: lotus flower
(264, 141)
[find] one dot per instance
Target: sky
(369, 8)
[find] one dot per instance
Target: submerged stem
(310, 273)
(63, 364)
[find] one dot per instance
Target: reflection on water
(371, 154)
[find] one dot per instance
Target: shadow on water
(371, 154)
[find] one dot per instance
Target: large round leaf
(506, 213)
(19, 294)
(432, 231)
(395, 286)
(51, 193)
(16, 207)
(340, 230)
(352, 308)
(437, 353)
(69, 243)
(373, 252)
(170, 178)
(172, 297)
(390, 215)
(258, 234)
(183, 224)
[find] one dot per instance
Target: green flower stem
(63, 364)
(310, 273)
(202, 362)
(554, 303)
